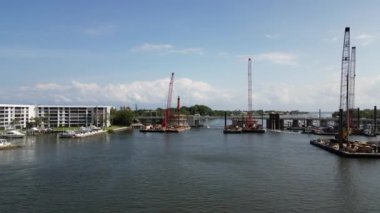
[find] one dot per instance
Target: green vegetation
(365, 113)
(196, 109)
(122, 117)
(205, 110)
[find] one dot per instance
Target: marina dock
(81, 133)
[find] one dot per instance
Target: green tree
(122, 117)
(38, 121)
(364, 113)
(15, 122)
(201, 109)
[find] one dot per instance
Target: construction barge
(342, 145)
(232, 129)
(350, 150)
(237, 128)
(253, 130)
(176, 124)
(165, 130)
(173, 122)
(248, 125)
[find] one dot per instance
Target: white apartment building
(15, 116)
(18, 116)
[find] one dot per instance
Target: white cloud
(44, 87)
(367, 91)
(50, 86)
(138, 92)
(308, 95)
(365, 39)
(274, 57)
(165, 48)
(298, 95)
(83, 87)
(312, 96)
(146, 47)
(189, 51)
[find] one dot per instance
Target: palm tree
(14, 122)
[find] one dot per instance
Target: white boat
(88, 133)
(4, 143)
(82, 132)
(94, 128)
(67, 134)
(13, 134)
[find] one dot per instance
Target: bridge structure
(269, 121)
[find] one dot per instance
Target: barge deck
(334, 149)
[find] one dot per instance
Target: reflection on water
(198, 170)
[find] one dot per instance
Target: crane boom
(249, 85)
(250, 119)
(344, 81)
(352, 78)
(169, 102)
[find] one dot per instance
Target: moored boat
(67, 134)
(82, 132)
(4, 145)
(12, 133)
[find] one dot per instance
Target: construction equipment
(352, 76)
(168, 113)
(347, 83)
(344, 80)
(351, 87)
(249, 122)
(178, 110)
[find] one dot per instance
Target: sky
(122, 52)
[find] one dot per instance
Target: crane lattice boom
(344, 80)
(352, 76)
(169, 103)
(250, 118)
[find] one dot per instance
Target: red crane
(169, 103)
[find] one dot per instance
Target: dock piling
(375, 120)
(225, 120)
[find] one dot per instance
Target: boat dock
(81, 133)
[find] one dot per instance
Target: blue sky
(122, 52)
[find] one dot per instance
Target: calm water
(200, 170)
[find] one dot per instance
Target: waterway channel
(201, 170)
